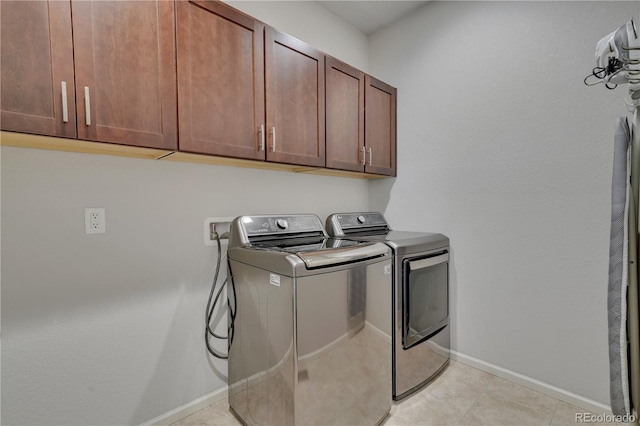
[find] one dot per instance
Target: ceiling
(369, 16)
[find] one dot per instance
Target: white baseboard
(188, 408)
(536, 385)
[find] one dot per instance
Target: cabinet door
(125, 72)
(220, 81)
(380, 127)
(345, 116)
(295, 101)
(36, 65)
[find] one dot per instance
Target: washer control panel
(289, 224)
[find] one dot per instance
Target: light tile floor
(461, 395)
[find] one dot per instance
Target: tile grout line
(475, 401)
(555, 410)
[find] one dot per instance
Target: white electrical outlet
(95, 221)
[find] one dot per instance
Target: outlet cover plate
(95, 221)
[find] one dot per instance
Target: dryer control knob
(361, 219)
(282, 224)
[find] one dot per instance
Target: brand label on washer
(274, 279)
(387, 269)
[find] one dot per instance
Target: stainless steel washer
(310, 341)
(421, 337)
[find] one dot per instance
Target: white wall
(108, 329)
(503, 148)
(325, 31)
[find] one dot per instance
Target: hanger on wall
(618, 61)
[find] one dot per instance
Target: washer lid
(322, 252)
(346, 254)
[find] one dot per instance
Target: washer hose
(211, 306)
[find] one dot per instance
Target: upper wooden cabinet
(245, 91)
(380, 127)
(137, 72)
(37, 81)
(295, 101)
(125, 72)
(361, 121)
(345, 116)
(220, 81)
(121, 57)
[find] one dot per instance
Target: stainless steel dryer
(310, 339)
(421, 296)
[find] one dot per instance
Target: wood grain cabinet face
(113, 81)
(125, 72)
(361, 121)
(36, 64)
(344, 116)
(220, 81)
(380, 127)
(106, 71)
(295, 101)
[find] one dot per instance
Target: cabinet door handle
(273, 139)
(262, 137)
(87, 107)
(370, 156)
(364, 156)
(65, 105)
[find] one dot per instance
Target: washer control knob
(361, 219)
(282, 224)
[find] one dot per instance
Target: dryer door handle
(428, 262)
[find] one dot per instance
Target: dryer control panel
(340, 224)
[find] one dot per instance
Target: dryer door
(425, 297)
